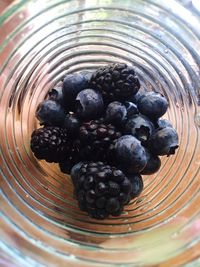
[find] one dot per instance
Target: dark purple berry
(72, 124)
(164, 141)
(114, 188)
(72, 85)
(130, 154)
(115, 82)
(112, 205)
(100, 202)
(88, 182)
(118, 176)
(89, 104)
(95, 140)
(116, 113)
(56, 94)
(49, 143)
(50, 113)
(90, 196)
(153, 163)
(136, 185)
(131, 109)
(123, 197)
(153, 105)
(101, 190)
(140, 127)
(163, 123)
(75, 171)
(134, 98)
(126, 186)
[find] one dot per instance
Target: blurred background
(4, 4)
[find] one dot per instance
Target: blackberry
(71, 157)
(49, 143)
(101, 190)
(95, 138)
(115, 81)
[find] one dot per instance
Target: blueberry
(116, 113)
(81, 196)
(163, 123)
(153, 163)
(153, 105)
(56, 94)
(87, 74)
(137, 184)
(72, 123)
(139, 126)
(89, 104)
(50, 113)
(134, 98)
(72, 85)
(131, 109)
(130, 154)
(75, 171)
(164, 141)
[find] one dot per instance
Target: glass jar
(42, 41)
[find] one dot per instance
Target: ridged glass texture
(40, 42)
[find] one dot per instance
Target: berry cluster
(106, 133)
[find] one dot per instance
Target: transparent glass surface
(42, 41)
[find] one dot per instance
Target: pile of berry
(106, 133)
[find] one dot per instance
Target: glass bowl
(42, 41)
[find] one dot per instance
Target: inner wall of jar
(62, 38)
